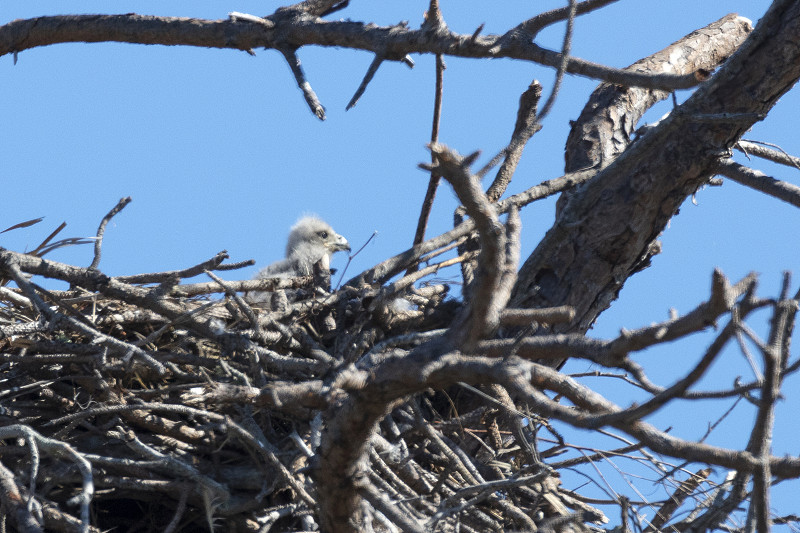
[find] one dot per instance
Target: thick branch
(607, 229)
(486, 300)
(608, 121)
(296, 28)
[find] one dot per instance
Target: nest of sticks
(144, 403)
(141, 403)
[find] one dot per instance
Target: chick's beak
(340, 244)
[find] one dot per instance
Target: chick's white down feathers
(311, 240)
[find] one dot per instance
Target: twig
(562, 67)
(679, 388)
(290, 54)
(196, 270)
(524, 128)
(179, 510)
(373, 68)
(676, 499)
(760, 442)
(433, 182)
(235, 266)
(396, 264)
(25, 224)
(391, 289)
(351, 257)
(246, 309)
(371, 71)
(98, 243)
(541, 21)
(49, 238)
(389, 509)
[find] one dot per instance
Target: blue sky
(219, 151)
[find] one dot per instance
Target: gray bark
(608, 228)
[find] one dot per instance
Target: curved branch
(539, 22)
(524, 128)
(486, 299)
(296, 28)
(101, 230)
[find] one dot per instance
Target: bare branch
(676, 499)
(98, 243)
(433, 183)
(486, 300)
(539, 22)
(290, 54)
(373, 68)
(782, 190)
(254, 285)
(562, 67)
(777, 155)
(162, 277)
(392, 266)
(639, 412)
(25, 224)
(280, 29)
(526, 126)
(760, 443)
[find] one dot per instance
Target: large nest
(141, 403)
(175, 406)
(151, 399)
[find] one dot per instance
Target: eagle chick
(311, 240)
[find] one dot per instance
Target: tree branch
(777, 155)
(782, 190)
(607, 229)
(296, 28)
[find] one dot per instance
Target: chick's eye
(323, 234)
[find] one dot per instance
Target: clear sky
(219, 151)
